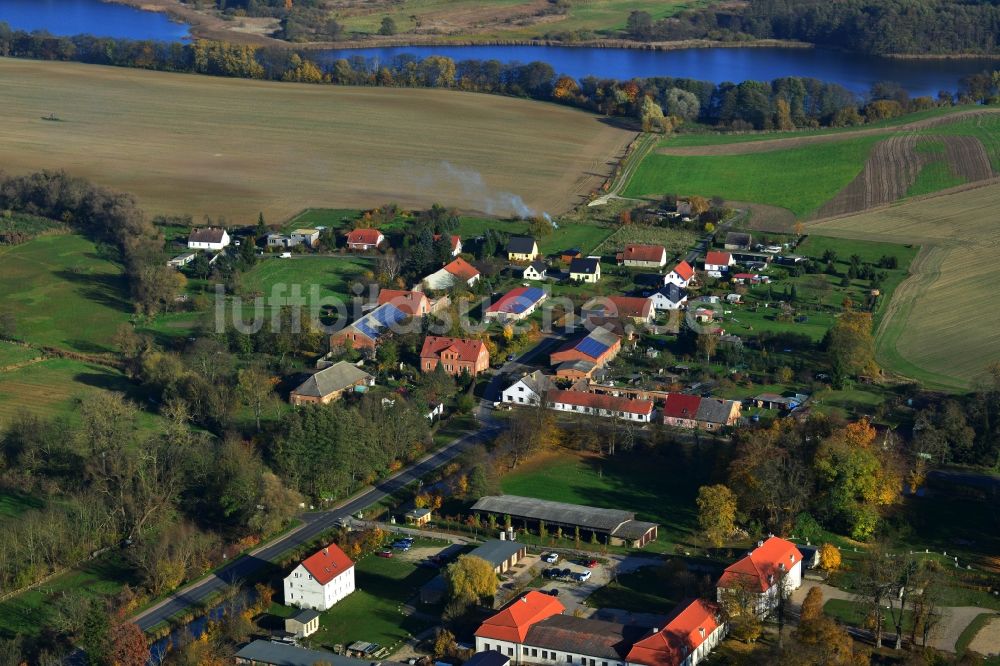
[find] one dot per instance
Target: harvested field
(949, 293)
(889, 171)
(767, 218)
(967, 158)
(230, 148)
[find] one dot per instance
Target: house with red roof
(455, 354)
(457, 272)
(321, 580)
(597, 404)
(774, 567)
(643, 256)
(685, 640)
(681, 410)
(413, 303)
(599, 347)
(362, 240)
(718, 263)
(626, 309)
(505, 631)
(681, 275)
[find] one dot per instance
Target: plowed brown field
(230, 148)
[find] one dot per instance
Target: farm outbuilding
(611, 526)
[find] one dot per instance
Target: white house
(308, 237)
(458, 271)
(586, 269)
(596, 404)
(670, 297)
(182, 260)
(773, 565)
(536, 270)
(208, 239)
(681, 275)
(455, 241)
(718, 263)
(528, 390)
(323, 579)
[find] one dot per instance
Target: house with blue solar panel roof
(597, 347)
(516, 304)
(369, 330)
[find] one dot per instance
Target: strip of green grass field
(984, 127)
(799, 179)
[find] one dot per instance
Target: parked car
(566, 573)
(554, 592)
(384, 553)
(592, 564)
(583, 576)
(551, 558)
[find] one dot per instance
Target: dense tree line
(864, 26)
(784, 103)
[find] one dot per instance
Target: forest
(863, 26)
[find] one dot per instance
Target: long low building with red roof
(535, 629)
(763, 571)
(596, 404)
(321, 580)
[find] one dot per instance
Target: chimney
(701, 630)
(503, 536)
(326, 551)
(525, 598)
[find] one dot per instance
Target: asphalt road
(319, 522)
(316, 523)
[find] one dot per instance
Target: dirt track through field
(766, 145)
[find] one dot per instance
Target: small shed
(418, 516)
(302, 624)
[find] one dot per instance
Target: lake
(853, 71)
(74, 17)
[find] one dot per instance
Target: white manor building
(323, 579)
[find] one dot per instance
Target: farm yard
(936, 329)
(822, 174)
(324, 145)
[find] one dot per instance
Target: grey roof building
(616, 526)
(268, 653)
(521, 245)
(596, 638)
(585, 265)
(487, 658)
(501, 554)
(328, 384)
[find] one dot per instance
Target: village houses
(364, 240)
(321, 580)
(522, 249)
(587, 269)
(211, 238)
(643, 256)
(456, 355)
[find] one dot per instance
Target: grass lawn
(331, 275)
(15, 354)
(658, 485)
(13, 503)
(53, 388)
(63, 293)
(969, 633)
(853, 613)
(373, 612)
(26, 614)
(799, 179)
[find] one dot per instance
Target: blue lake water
(853, 71)
(74, 17)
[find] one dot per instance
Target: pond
(102, 19)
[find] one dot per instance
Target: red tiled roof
(410, 302)
(599, 401)
(718, 258)
(632, 306)
(364, 236)
(645, 253)
(466, 350)
(745, 276)
(688, 629)
(517, 300)
(684, 270)
(681, 406)
(760, 567)
(462, 269)
(327, 563)
(512, 623)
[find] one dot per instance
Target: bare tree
(876, 583)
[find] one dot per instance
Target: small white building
(717, 263)
(587, 269)
(302, 624)
(536, 270)
(644, 256)
(182, 260)
(681, 275)
(208, 239)
(528, 390)
(323, 579)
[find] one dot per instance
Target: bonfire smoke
(494, 203)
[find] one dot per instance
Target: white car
(551, 558)
(583, 576)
